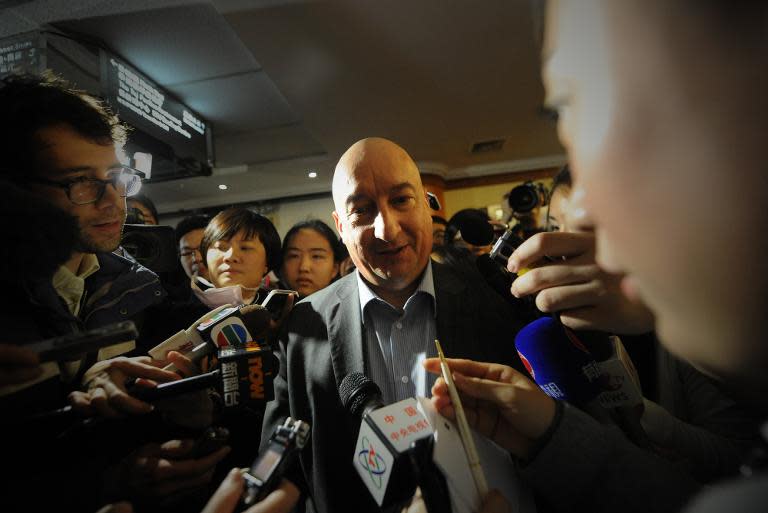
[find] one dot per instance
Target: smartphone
(73, 345)
(276, 299)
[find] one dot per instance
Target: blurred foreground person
(642, 120)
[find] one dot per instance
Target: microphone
(383, 449)
(473, 226)
(223, 327)
(562, 365)
(620, 383)
(558, 362)
(245, 378)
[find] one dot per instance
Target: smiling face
(69, 156)
(383, 217)
(308, 262)
(665, 126)
(237, 261)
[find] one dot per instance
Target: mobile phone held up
(276, 301)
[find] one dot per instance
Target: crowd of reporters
(79, 437)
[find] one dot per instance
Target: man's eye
(402, 200)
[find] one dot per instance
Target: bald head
(367, 158)
(382, 215)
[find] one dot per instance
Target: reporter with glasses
(61, 149)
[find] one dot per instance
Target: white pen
(466, 435)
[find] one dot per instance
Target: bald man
(380, 320)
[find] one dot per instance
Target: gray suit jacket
(322, 343)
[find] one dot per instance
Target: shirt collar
(426, 285)
(63, 277)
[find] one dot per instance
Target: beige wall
(482, 196)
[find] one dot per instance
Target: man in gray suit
(381, 320)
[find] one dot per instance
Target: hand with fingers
(17, 365)
(564, 276)
(156, 471)
(227, 497)
(499, 402)
(106, 386)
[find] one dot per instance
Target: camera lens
(523, 198)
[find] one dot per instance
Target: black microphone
(393, 453)
(245, 377)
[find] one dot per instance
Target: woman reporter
(311, 257)
(240, 247)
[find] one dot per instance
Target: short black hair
(147, 202)
(31, 103)
(230, 222)
(439, 220)
(322, 229)
(190, 223)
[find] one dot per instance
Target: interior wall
(291, 212)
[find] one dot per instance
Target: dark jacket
(323, 343)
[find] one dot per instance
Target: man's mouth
(392, 251)
(109, 225)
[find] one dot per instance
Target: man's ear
(339, 225)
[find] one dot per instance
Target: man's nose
(386, 226)
(577, 218)
(110, 197)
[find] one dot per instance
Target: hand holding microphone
(106, 386)
(564, 276)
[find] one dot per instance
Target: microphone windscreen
(558, 362)
(473, 226)
(357, 391)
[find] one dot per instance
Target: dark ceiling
(289, 85)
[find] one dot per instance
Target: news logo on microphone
(248, 374)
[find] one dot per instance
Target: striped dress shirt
(397, 341)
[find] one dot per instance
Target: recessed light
(223, 187)
(312, 174)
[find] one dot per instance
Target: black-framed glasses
(82, 191)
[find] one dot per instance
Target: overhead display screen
(21, 54)
(144, 105)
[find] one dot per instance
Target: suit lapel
(345, 334)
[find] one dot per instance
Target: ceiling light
(223, 187)
(312, 174)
